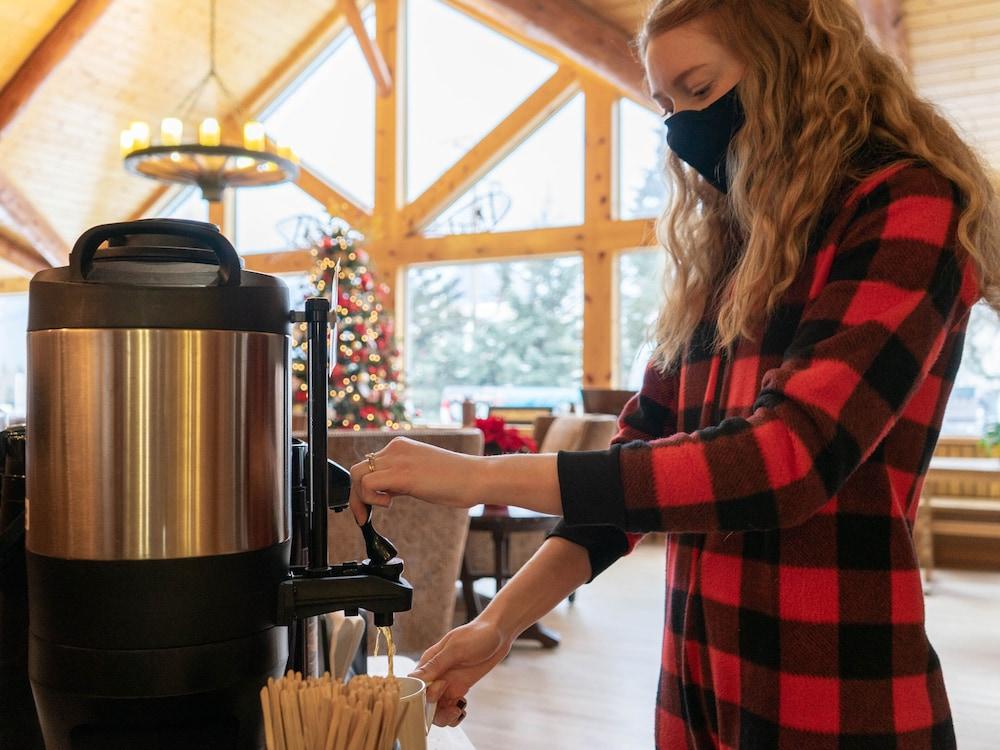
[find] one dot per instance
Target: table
(502, 522)
(963, 469)
(440, 738)
(945, 470)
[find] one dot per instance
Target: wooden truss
(592, 56)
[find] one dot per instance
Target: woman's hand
(456, 663)
(406, 467)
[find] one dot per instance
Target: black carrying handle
(81, 259)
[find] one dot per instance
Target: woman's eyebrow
(682, 78)
(678, 81)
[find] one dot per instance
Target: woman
(828, 236)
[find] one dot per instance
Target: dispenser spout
(351, 586)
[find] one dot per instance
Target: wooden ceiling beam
(457, 248)
(18, 285)
(373, 55)
(30, 223)
(395, 253)
(390, 160)
(51, 51)
(884, 19)
(15, 249)
(575, 31)
(494, 146)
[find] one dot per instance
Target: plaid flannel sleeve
(648, 414)
(884, 299)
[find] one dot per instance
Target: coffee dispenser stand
(314, 586)
(160, 649)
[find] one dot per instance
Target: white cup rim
(418, 686)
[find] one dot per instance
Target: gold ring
(371, 461)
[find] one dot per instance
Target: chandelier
(209, 163)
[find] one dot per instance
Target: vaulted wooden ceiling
(72, 74)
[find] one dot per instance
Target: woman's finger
(436, 691)
(377, 488)
(358, 509)
(448, 717)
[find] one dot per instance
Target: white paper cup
(417, 715)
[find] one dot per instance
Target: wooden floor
(597, 689)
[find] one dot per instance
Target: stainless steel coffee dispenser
(159, 478)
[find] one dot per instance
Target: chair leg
(499, 558)
(538, 632)
(469, 595)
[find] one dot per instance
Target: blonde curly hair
(824, 106)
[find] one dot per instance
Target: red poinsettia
(499, 438)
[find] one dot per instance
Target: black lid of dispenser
(157, 273)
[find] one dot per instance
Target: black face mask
(702, 137)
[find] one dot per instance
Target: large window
(975, 399)
(640, 295)
(642, 152)
(462, 80)
(299, 287)
(539, 185)
(268, 218)
(328, 117)
(13, 355)
(187, 204)
(508, 333)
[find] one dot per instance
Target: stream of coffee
(390, 647)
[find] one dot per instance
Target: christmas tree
(365, 383)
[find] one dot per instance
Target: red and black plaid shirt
(786, 473)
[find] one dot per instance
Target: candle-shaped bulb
(209, 132)
(126, 142)
(140, 134)
(253, 136)
(284, 150)
(171, 131)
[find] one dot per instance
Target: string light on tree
(362, 396)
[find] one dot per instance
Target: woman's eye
(702, 92)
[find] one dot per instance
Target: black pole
(318, 321)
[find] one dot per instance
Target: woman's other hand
(406, 467)
(456, 663)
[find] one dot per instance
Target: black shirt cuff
(591, 488)
(604, 544)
